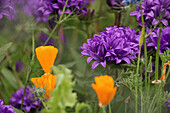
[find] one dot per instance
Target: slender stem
(43, 103)
(125, 107)
(100, 12)
(103, 109)
(136, 87)
(56, 26)
(118, 19)
(33, 45)
(110, 109)
(146, 63)
(29, 71)
(157, 56)
(28, 76)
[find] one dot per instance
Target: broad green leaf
(80, 106)
(8, 75)
(3, 50)
(63, 95)
(17, 110)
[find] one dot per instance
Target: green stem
(29, 71)
(125, 107)
(43, 103)
(33, 45)
(56, 26)
(103, 109)
(146, 62)
(136, 87)
(28, 76)
(157, 56)
(110, 109)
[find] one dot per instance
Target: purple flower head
(19, 66)
(30, 101)
(117, 45)
(164, 42)
(168, 103)
(6, 108)
(7, 9)
(43, 39)
(50, 7)
(154, 11)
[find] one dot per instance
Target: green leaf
(17, 110)
(80, 106)
(3, 50)
(63, 95)
(9, 76)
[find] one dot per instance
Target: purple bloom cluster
(164, 42)
(168, 103)
(19, 66)
(49, 7)
(114, 44)
(6, 108)
(43, 39)
(7, 9)
(30, 101)
(154, 11)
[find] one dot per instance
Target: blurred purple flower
(168, 103)
(30, 101)
(7, 9)
(165, 40)
(154, 11)
(6, 108)
(43, 39)
(49, 7)
(113, 45)
(19, 66)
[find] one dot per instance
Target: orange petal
(104, 89)
(46, 56)
(46, 82)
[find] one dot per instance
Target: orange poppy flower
(47, 82)
(104, 89)
(46, 56)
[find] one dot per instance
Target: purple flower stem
(56, 26)
(146, 62)
(118, 19)
(28, 76)
(157, 56)
(100, 12)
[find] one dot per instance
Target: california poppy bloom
(46, 56)
(47, 82)
(104, 89)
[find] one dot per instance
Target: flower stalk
(157, 56)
